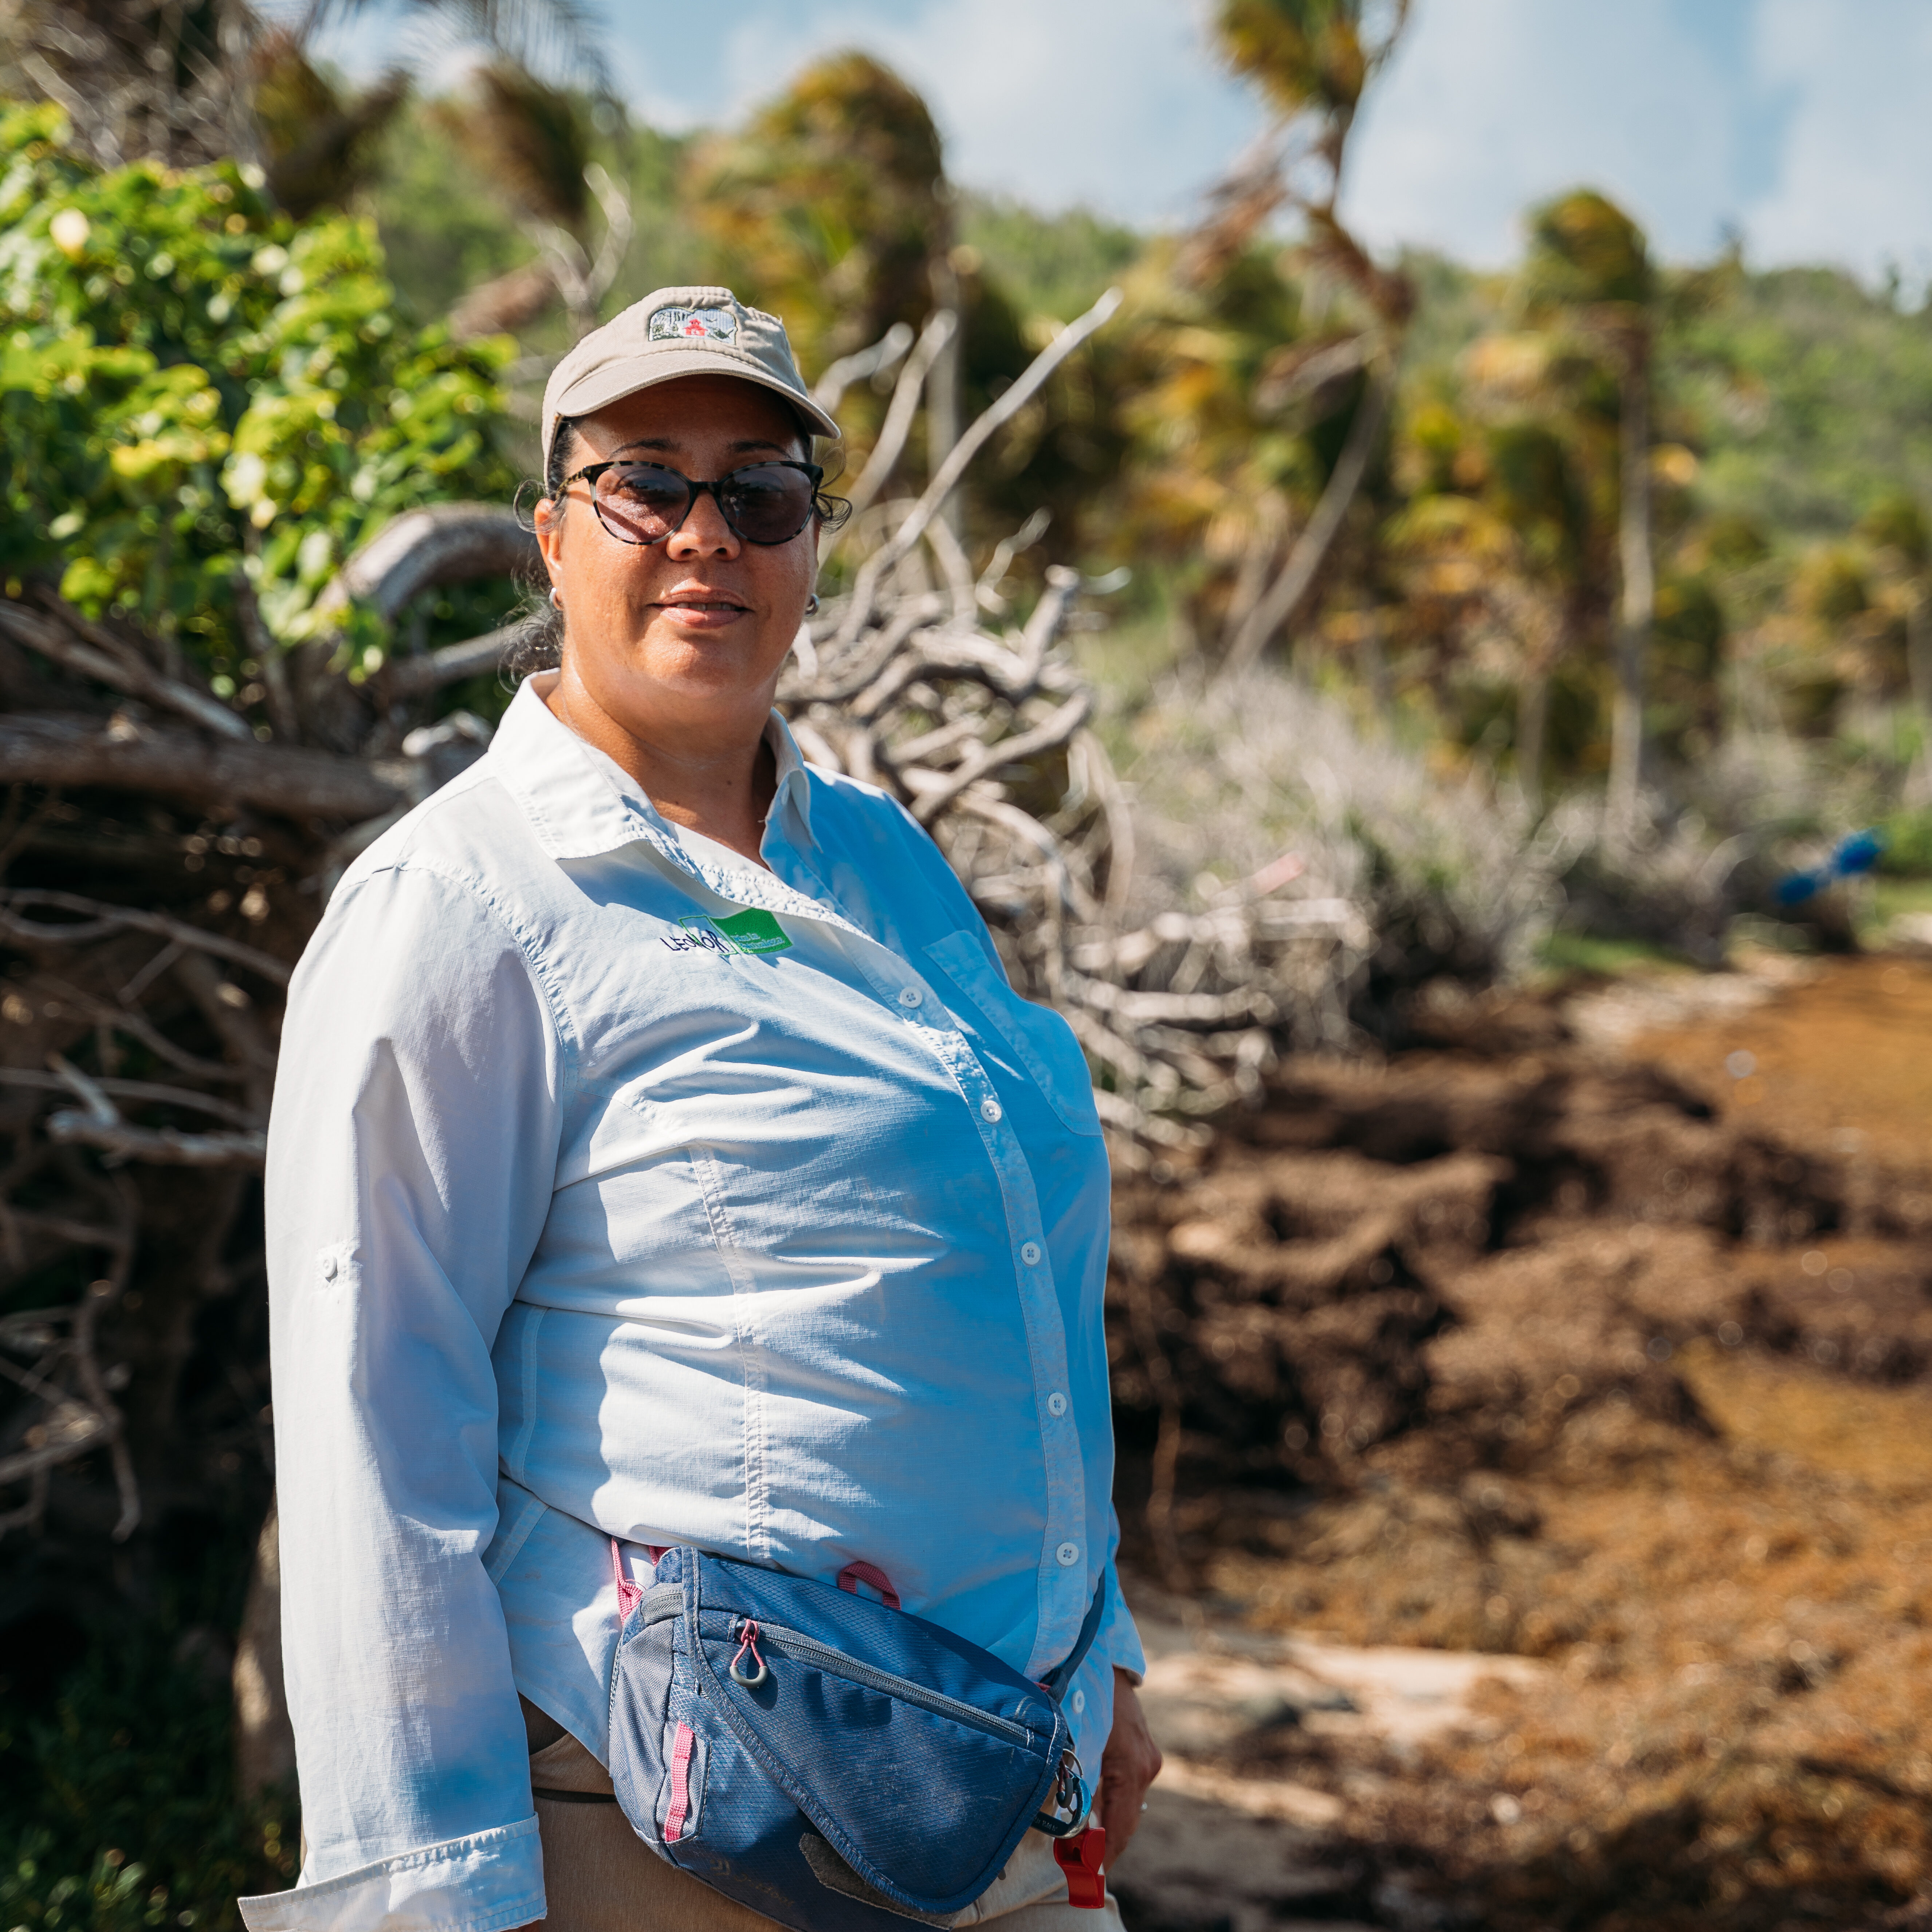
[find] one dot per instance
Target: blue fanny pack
(837, 1764)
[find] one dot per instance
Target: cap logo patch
(700, 324)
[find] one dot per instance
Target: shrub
(118, 1805)
(193, 388)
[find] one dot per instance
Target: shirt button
(1056, 1404)
(989, 1110)
(1079, 1701)
(910, 996)
(1029, 1253)
(1067, 1554)
(329, 1265)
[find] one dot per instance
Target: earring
(812, 605)
(555, 598)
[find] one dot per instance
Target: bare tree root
(138, 1017)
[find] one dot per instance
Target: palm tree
(315, 143)
(1493, 548)
(1312, 60)
(1588, 274)
(164, 78)
(185, 81)
(533, 141)
(831, 206)
(1900, 538)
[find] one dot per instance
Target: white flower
(69, 229)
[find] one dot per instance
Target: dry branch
(1284, 599)
(901, 414)
(104, 658)
(984, 738)
(416, 677)
(980, 726)
(866, 364)
(98, 919)
(122, 754)
(448, 543)
(164, 1147)
(946, 478)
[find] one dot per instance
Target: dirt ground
(1583, 1360)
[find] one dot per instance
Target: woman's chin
(718, 659)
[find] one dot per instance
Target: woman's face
(690, 632)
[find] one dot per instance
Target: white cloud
(1113, 104)
(1851, 186)
(1491, 105)
(1804, 121)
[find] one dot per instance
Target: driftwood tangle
(135, 1198)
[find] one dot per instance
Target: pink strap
(853, 1574)
(680, 1786)
(629, 1593)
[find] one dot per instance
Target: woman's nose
(704, 533)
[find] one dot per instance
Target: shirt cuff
(486, 1882)
(1117, 1641)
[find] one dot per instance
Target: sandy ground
(1537, 1469)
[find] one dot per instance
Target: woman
(659, 1155)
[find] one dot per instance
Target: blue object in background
(1858, 854)
(1855, 854)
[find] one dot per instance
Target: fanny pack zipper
(793, 1644)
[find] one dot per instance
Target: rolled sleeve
(411, 1160)
(486, 1882)
(1118, 1642)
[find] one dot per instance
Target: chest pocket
(1041, 1041)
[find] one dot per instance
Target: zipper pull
(747, 1639)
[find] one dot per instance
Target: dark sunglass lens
(767, 503)
(642, 502)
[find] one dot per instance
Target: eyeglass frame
(694, 487)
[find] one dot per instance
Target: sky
(1801, 124)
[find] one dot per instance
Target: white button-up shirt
(618, 1188)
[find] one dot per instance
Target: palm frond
(559, 41)
(317, 144)
(531, 140)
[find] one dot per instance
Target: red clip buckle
(1081, 1858)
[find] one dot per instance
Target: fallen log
(121, 754)
(412, 677)
(448, 543)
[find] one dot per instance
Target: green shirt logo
(754, 930)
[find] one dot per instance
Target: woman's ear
(548, 522)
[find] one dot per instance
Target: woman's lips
(709, 614)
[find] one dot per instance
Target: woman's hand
(1130, 1763)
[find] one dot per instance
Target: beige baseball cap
(674, 332)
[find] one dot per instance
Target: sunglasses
(644, 502)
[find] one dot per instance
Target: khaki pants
(600, 1876)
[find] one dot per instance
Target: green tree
(1312, 60)
(534, 142)
(207, 406)
(1901, 539)
(831, 206)
(186, 82)
(1589, 274)
(1493, 539)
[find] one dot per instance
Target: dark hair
(538, 643)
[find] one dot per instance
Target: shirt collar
(580, 803)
